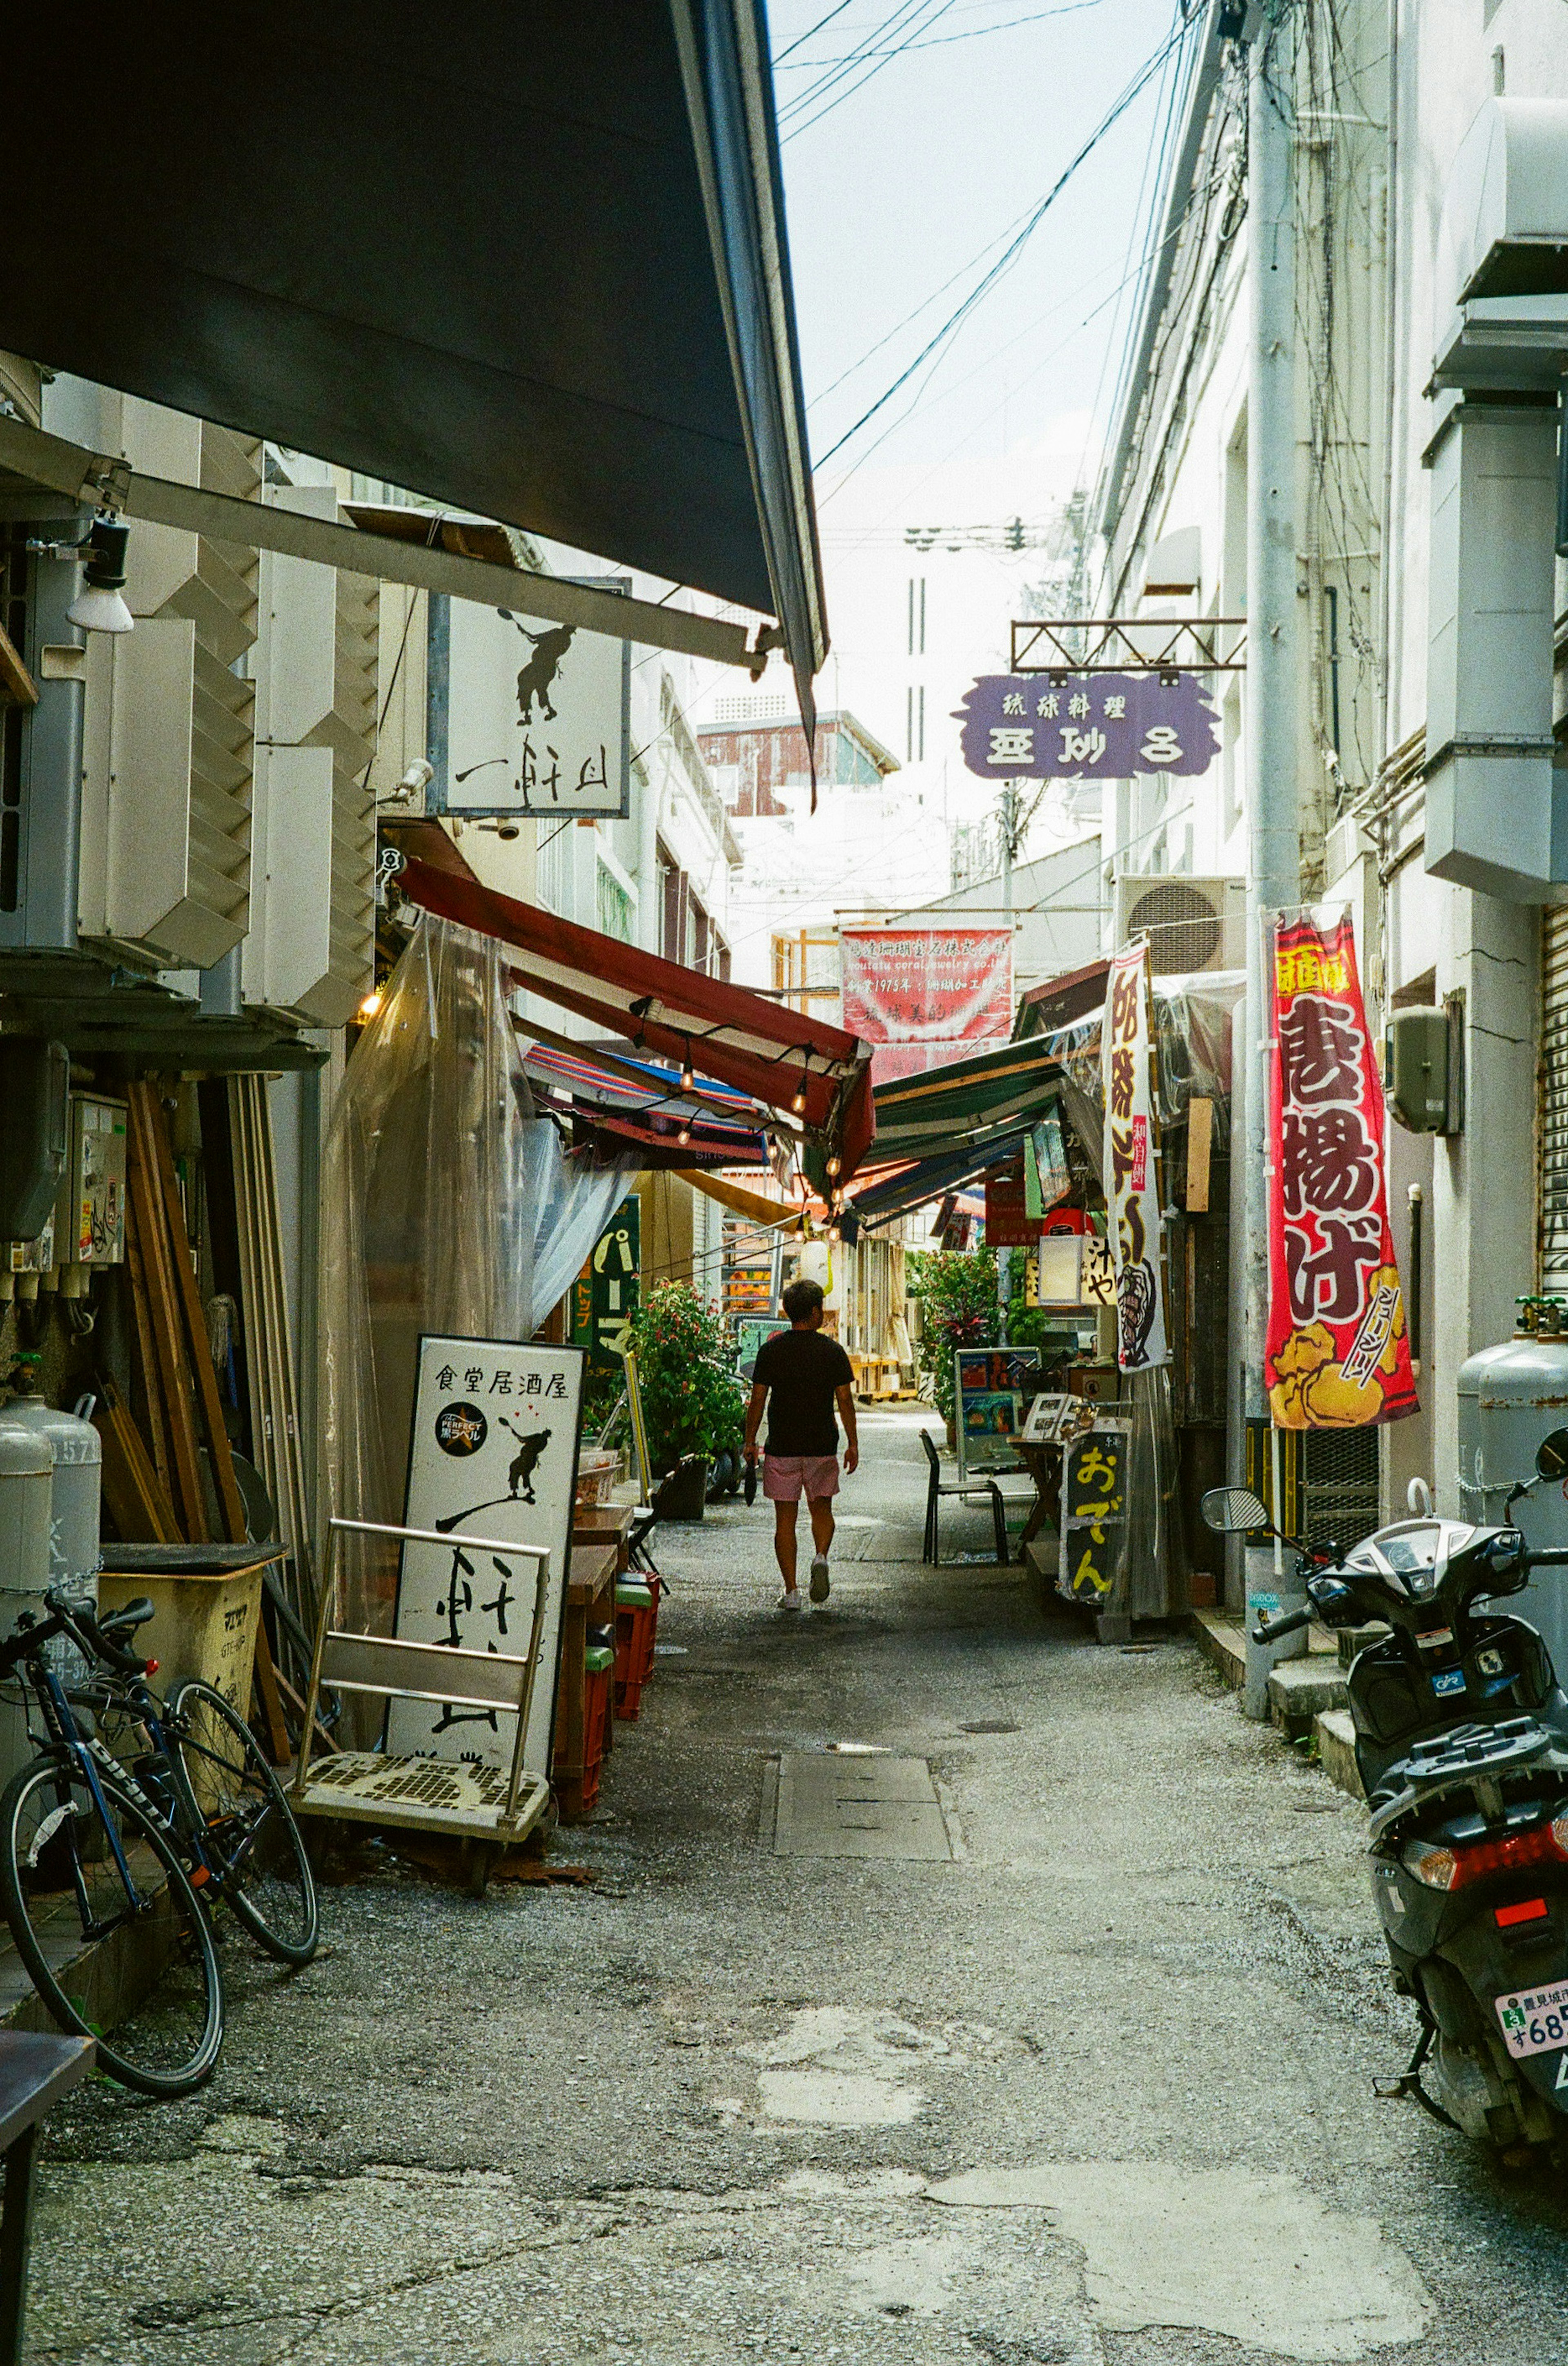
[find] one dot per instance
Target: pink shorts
(784, 1476)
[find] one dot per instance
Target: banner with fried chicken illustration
(1338, 1357)
(1132, 1181)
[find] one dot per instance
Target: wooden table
(1044, 1465)
(590, 1602)
(594, 1524)
(34, 2071)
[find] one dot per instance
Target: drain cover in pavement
(988, 1725)
(864, 1807)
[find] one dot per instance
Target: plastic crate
(597, 1680)
(636, 1625)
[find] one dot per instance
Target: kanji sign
(1008, 1223)
(537, 716)
(1105, 726)
(924, 997)
(494, 1452)
(1132, 1194)
(1093, 1513)
(1337, 1355)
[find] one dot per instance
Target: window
(725, 960)
(699, 935)
(917, 620)
(614, 906)
(920, 720)
(552, 871)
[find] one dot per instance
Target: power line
(973, 33)
(1011, 253)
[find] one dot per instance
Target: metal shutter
(1553, 1102)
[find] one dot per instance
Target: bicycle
(201, 1799)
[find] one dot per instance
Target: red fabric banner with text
(1338, 1355)
(925, 996)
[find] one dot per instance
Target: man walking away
(807, 1375)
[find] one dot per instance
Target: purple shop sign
(1094, 726)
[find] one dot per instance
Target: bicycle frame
(65, 1739)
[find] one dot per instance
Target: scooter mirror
(1552, 1455)
(1235, 1511)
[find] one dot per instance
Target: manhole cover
(990, 1725)
(857, 1806)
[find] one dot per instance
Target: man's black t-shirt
(802, 1369)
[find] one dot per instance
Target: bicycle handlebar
(81, 1624)
(1552, 1557)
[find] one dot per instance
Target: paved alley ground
(1094, 2086)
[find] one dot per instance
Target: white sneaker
(821, 1585)
(791, 1599)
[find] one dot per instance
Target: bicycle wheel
(63, 1889)
(247, 1826)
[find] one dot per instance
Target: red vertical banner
(1338, 1354)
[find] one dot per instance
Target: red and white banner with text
(1338, 1355)
(926, 997)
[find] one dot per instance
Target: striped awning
(779, 1058)
(965, 1106)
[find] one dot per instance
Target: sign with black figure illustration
(538, 716)
(494, 1454)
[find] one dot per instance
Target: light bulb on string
(833, 1165)
(686, 1078)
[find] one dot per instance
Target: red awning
(724, 1030)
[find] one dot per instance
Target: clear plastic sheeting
(1192, 1027)
(447, 1205)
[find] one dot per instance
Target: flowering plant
(958, 1308)
(693, 1401)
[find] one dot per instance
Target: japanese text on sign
(1093, 1514)
(1337, 1355)
(1132, 1198)
(1099, 726)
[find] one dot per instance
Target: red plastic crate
(634, 1635)
(596, 1718)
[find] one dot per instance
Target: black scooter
(1461, 1741)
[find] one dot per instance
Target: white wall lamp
(99, 606)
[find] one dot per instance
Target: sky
(903, 178)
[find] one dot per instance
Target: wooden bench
(487, 1810)
(34, 2071)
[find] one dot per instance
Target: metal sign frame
(1163, 645)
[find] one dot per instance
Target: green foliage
(693, 1401)
(958, 1308)
(1028, 1325)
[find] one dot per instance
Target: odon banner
(1132, 1184)
(1338, 1355)
(924, 997)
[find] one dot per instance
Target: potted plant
(693, 1401)
(958, 1308)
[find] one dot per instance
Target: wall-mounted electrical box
(89, 1215)
(1415, 1070)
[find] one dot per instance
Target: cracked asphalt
(1098, 2091)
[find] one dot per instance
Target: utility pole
(1274, 864)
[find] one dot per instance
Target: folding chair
(966, 1489)
(488, 1811)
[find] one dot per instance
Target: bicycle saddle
(125, 1621)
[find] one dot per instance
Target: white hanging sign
(1132, 1191)
(493, 1453)
(538, 716)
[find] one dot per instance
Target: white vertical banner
(1132, 1191)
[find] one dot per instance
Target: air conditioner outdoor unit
(1191, 924)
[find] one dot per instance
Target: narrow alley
(1087, 2075)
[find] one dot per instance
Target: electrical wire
(973, 33)
(1016, 248)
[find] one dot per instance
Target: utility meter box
(1415, 1070)
(89, 1216)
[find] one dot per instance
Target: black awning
(527, 261)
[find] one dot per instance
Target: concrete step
(1220, 1637)
(1300, 1691)
(1337, 1749)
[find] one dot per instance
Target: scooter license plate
(1535, 2020)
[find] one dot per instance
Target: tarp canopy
(775, 1057)
(957, 1106)
(889, 1197)
(529, 262)
(614, 1112)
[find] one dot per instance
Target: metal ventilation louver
(1191, 924)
